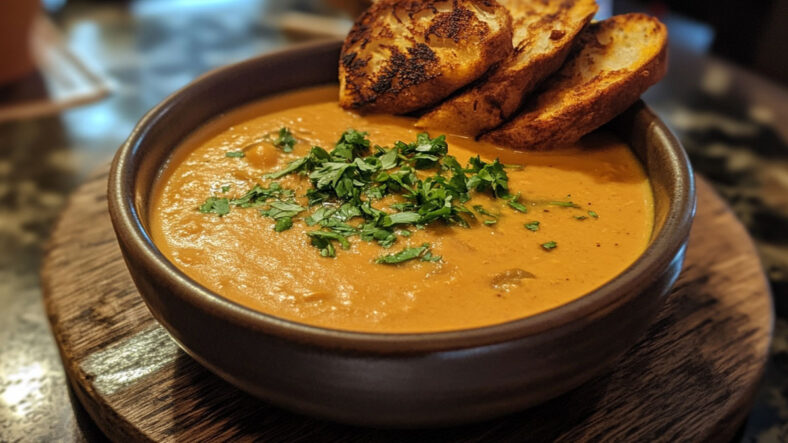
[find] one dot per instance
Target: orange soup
(570, 220)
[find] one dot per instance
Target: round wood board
(692, 377)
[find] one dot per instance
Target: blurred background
(76, 75)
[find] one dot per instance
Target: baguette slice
(403, 55)
(544, 31)
(618, 59)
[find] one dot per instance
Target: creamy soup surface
(487, 274)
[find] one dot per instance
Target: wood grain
(691, 377)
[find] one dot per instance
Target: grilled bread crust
(544, 31)
(403, 55)
(618, 59)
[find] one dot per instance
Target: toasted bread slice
(543, 34)
(618, 59)
(403, 55)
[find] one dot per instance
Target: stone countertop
(733, 124)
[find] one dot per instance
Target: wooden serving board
(692, 377)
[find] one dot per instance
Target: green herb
(291, 167)
(425, 152)
(370, 232)
(322, 213)
(480, 209)
(593, 214)
(428, 186)
(401, 218)
(323, 240)
(225, 188)
(549, 245)
(258, 195)
(215, 205)
(389, 159)
(429, 257)
(580, 217)
(234, 154)
(285, 141)
(350, 145)
(283, 224)
(532, 226)
(280, 209)
(488, 176)
(407, 254)
(514, 202)
(563, 204)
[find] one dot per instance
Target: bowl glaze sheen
(390, 380)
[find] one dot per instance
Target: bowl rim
(666, 243)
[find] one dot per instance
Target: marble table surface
(733, 123)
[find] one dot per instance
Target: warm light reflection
(24, 388)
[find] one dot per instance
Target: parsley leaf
(323, 240)
(293, 166)
(234, 154)
(549, 245)
(283, 224)
(427, 151)
(401, 218)
(429, 257)
(490, 176)
(480, 209)
(350, 145)
(514, 202)
(372, 232)
(390, 159)
(322, 213)
(404, 255)
(258, 195)
(280, 209)
(593, 214)
(215, 205)
(563, 204)
(285, 141)
(532, 226)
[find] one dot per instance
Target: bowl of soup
(355, 268)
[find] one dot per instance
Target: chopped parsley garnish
(215, 205)
(285, 141)
(258, 195)
(549, 245)
(593, 214)
(488, 176)
(234, 154)
(563, 204)
(293, 166)
(323, 240)
(580, 217)
(514, 201)
(283, 224)
(406, 254)
(282, 209)
(349, 181)
(480, 209)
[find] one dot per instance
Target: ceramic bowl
(390, 380)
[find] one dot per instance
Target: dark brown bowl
(393, 380)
